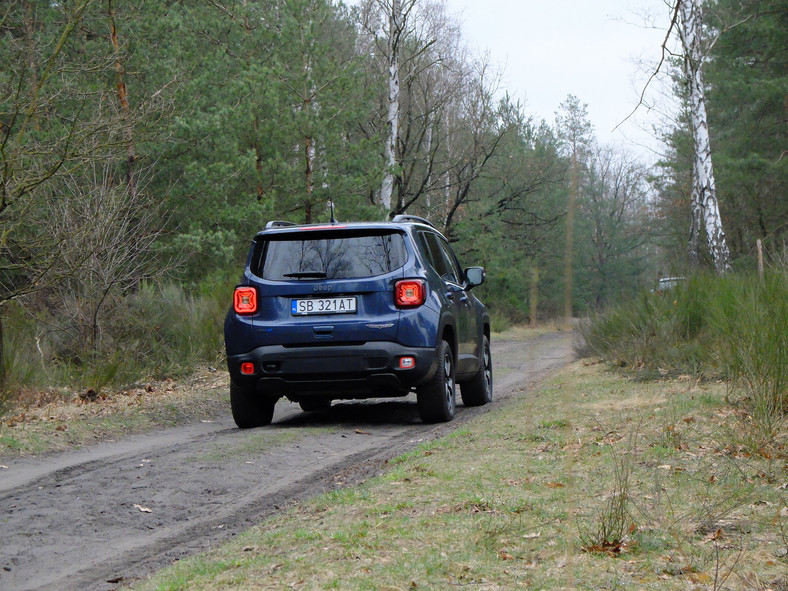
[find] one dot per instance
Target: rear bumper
(340, 371)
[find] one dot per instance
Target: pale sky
(589, 48)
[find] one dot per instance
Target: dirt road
(112, 513)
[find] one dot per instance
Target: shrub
(499, 321)
(154, 331)
(751, 319)
(666, 331)
(168, 329)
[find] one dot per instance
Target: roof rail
(278, 224)
(411, 218)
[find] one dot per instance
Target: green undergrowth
(733, 328)
(158, 331)
(593, 481)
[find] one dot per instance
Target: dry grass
(55, 420)
(509, 501)
(524, 332)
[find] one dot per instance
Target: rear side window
(440, 257)
(294, 257)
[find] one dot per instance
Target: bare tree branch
(665, 52)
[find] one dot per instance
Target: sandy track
(115, 512)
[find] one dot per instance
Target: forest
(142, 144)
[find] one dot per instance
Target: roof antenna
(331, 204)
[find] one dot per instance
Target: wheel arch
(449, 334)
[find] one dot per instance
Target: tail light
(245, 300)
(410, 293)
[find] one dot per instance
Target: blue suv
(356, 310)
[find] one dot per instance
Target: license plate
(305, 307)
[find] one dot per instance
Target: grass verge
(521, 497)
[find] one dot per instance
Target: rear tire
(436, 399)
(250, 409)
(478, 391)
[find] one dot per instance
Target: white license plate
(345, 305)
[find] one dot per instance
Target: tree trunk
(428, 149)
(32, 61)
(2, 352)
(534, 299)
(392, 118)
(570, 239)
(258, 159)
(309, 157)
(258, 166)
(447, 174)
(703, 171)
(697, 219)
(309, 140)
(123, 99)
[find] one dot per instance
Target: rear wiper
(306, 275)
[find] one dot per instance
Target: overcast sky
(589, 48)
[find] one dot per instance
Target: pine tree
(575, 131)
(747, 76)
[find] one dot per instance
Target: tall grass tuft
(751, 320)
(22, 365)
(606, 531)
(655, 331)
(171, 330)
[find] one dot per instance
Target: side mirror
(475, 276)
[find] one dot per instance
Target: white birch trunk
(697, 217)
(392, 119)
(703, 172)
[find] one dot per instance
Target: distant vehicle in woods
(356, 310)
(667, 283)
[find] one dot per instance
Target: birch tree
(397, 12)
(704, 193)
(436, 78)
(439, 125)
(317, 69)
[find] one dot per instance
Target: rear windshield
(345, 256)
